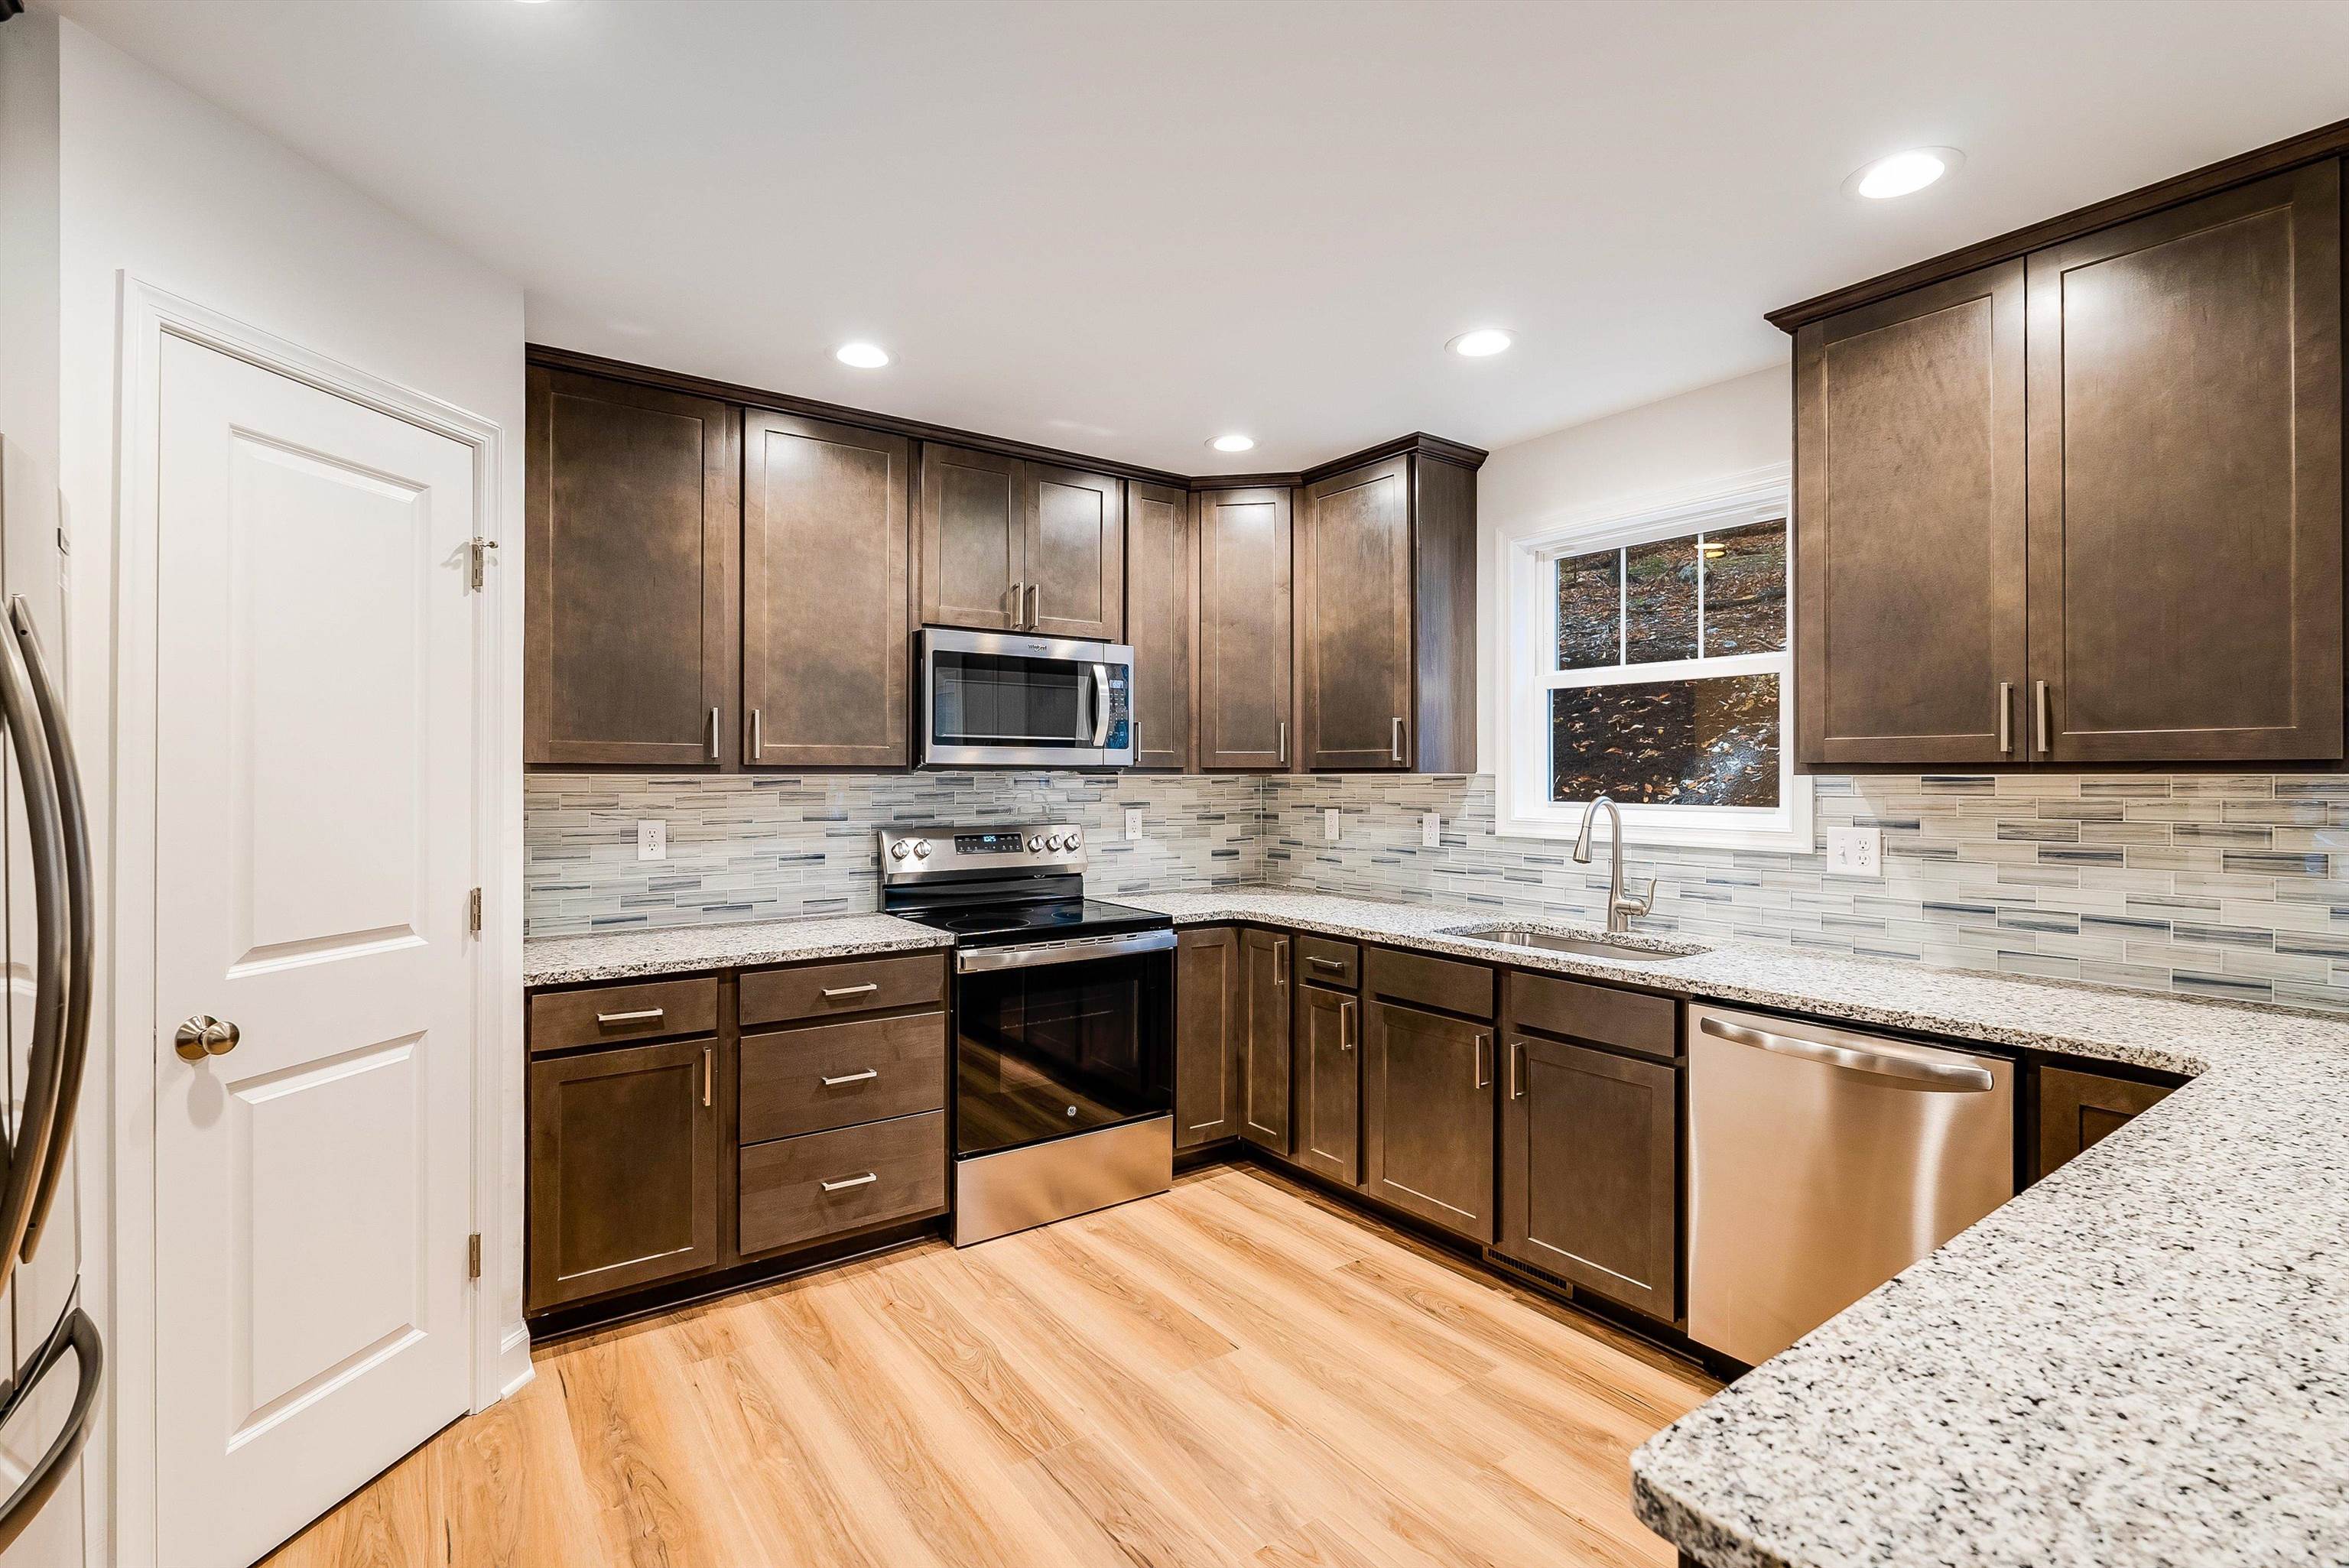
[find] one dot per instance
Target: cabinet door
(633, 542)
(824, 650)
(1264, 1081)
(973, 536)
(2185, 481)
(623, 1168)
(2077, 1110)
(1329, 1083)
(1354, 622)
(1590, 1170)
(1073, 552)
(1909, 522)
(1427, 1117)
(1244, 629)
(1158, 564)
(1210, 1020)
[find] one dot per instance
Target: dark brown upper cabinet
(632, 548)
(1009, 545)
(1243, 661)
(1159, 563)
(2186, 519)
(1386, 617)
(1909, 550)
(825, 655)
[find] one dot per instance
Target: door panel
(1265, 1081)
(634, 519)
(825, 655)
(1427, 1117)
(973, 539)
(1074, 552)
(1353, 595)
(1329, 1083)
(1210, 1020)
(1244, 629)
(1909, 561)
(314, 850)
(1158, 619)
(2186, 424)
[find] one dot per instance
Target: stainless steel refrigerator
(49, 1402)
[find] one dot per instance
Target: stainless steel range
(1063, 1096)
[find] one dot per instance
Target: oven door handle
(1076, 950)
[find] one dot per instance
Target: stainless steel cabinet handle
(1398, 738)
(1035, 605)
(709, 1070)
(865, 1179)
(852, 1078)
(1516, 1069)
(1346, 1035)
(1284, 740)
(834, 992)
(1325, 962)
(1931, 1075)
(1019, 601)
(2005, 718)
(1280, 961)
(2043, 715)
(758, 734)
(713, 735)
(1483, 1075)
(641, 1016)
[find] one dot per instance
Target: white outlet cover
(1431, 829)
(1134, 823)
(1330, 824)
(652, 839)
(1855, 852)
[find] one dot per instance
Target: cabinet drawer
(1628, 1020)
(837, 1075)
(819, 990)
(612, 1014)
(1431, 982)
(800, 1189)
(1327, 963)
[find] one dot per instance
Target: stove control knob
(1052, 841)
(921, 849)
(1074, 842)
(1035, 843)
(901, 849)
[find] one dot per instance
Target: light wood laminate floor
(1236, 1372)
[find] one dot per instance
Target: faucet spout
(1620, 907)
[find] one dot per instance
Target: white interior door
(313, 856)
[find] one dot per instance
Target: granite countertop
(2143, 1361)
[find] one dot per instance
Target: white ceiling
(1124, 228)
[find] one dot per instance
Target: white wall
(1642, 455)
(157, 183)
(28, 235)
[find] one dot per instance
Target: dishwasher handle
(1949, 1077)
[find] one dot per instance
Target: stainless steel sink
(1622, 949)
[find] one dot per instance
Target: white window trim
(1524, 809)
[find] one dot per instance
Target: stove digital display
(989, 843)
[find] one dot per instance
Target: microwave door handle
(1101, 705)
(45, 1063)
(76, 1332)
(74, 820)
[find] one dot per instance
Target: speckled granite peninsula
(2143, 1361)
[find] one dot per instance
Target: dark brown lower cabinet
(1590, 1170)
(1264, 1079)
(623, 1168)
(1427, 1117)
(1327, 1112)
(2075, 1109)
(1209, 1036)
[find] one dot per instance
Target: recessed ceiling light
(1902, 173)
(1483, 343)
(1233, 443)
(864, 356)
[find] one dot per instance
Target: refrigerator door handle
(76, 1332)
(73, 820)
(28, 1159)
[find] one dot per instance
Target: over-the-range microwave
(1015, 699)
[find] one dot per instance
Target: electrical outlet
(1330, 825)
(1855, 852)
(1431, 829)
(1133, 824)
(652, 839)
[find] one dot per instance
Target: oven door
(1058, 1039)
(1012, 699)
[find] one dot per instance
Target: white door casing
(314, 850)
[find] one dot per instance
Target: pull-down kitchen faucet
(1620, 907)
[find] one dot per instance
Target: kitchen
(1379, 867)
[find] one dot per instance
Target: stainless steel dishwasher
(1823, 1161)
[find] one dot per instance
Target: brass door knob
(204, 1035)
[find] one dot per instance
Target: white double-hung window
(1647, 658)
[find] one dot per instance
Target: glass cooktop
(1037, 919)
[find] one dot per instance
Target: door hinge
(473, 910)
(473, 1255)
(480, 549)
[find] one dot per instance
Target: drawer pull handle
(834, 992)
(851, 1181)
(1325, 962)
(641, 1016)
(852, 1078)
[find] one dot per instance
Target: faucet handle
(1641, 900)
